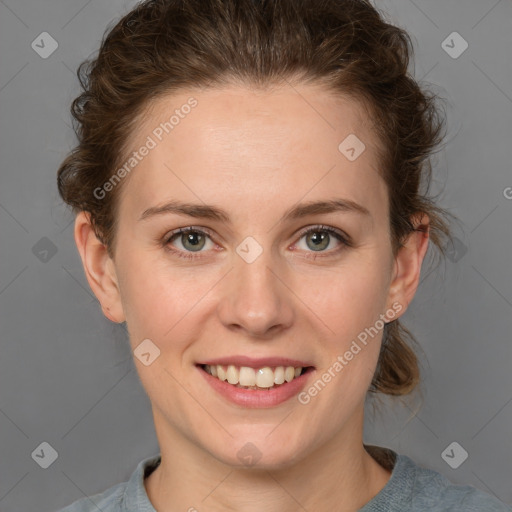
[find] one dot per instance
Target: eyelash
(345, 241)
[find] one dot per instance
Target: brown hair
(166, 45)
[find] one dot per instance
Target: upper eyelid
(322, 227)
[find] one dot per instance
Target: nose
(255, 298)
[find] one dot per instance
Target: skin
(255, 154)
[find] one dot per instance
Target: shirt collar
(135, 497)
(397, 490)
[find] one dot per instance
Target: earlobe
(407, 265)
(99, 268)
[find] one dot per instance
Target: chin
(259, 452)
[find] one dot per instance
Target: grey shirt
(411, 488)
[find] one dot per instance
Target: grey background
(66, 375)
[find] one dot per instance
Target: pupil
(192, 238)
(317, 240)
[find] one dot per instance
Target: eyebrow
(204, 211)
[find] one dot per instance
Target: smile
(256, 382)
(246, 377)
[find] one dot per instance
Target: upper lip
(256, 362)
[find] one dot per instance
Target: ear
(99, 268)
(407, 264)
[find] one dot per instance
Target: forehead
(253, 145)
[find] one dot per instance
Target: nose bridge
(255, 299)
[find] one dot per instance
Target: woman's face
(248, 287)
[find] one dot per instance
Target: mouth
(259, 378)
(259, 382)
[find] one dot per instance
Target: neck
(340, 475)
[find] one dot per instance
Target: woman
(247, 190)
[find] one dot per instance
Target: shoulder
(433, 491)
(414, 488)
(107, 501)
(127, 496)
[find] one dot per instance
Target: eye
(194, 240)
(318, 238)
(191, 239)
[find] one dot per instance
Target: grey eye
(317, 240)
(193, 241)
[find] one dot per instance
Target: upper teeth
(265, 377)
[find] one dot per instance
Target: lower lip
(255, 398)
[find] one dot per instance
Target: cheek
(351, 305)
(350, 298)
(159, 298)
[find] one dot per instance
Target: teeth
(233, 374)
(221, 373)
(289, 373)
(247, 377)
(279, 375)
(265, 378)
